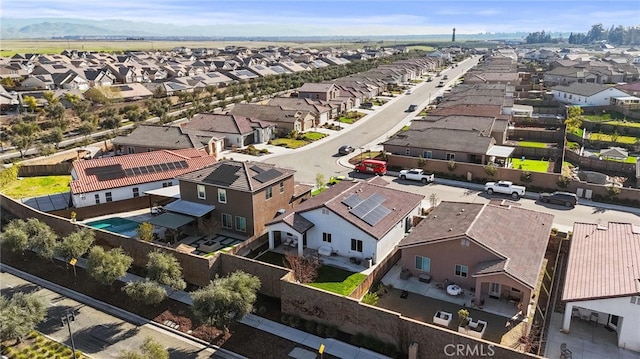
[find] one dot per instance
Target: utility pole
(67, 318)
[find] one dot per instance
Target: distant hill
(43, 28)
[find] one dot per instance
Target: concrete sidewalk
(332, 346)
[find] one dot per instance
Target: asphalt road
(100, 335)
(378, 127)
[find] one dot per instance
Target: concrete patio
(438, 291)
(334, 261)
(586, 340)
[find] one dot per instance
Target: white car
(416, 174)
(505, 187)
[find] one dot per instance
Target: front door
(494, 290)
(613, 322)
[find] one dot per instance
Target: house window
(423, 263)
(427, 154)
(356, 245)
(130, 150)
(167, 184)
(326, 237)
(407, 151)
(462, 271)
(635, 300)
(570, 97)
(136, 192)
(107, 197)
(97, 197)
(149, 149)
(222, 195)
(241, 224)
(281, 186)
(325, 211)
(465, 242)
(451, 156)
(227, 220)
(201, 192)
(269, 192)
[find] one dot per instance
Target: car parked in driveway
(346, 149)
(416, 174)
(567, 199)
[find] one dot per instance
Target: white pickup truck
(416, 174)
(505, 187)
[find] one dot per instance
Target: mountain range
(47, 28)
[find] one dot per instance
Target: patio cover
(171, 220)
(500, 151)
(189, 208)
(171, 191)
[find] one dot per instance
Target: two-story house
(246, 195)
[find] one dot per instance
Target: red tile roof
(604, 262)
(87, 181)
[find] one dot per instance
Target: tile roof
(88, 171)
(242, 176)
(166, 137)
(445, 139)
(582, 89)
(494, 227)
(400, 203)
(219, 123)
(604, 261)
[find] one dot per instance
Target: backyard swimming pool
(118, 225)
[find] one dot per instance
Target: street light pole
(67, 318)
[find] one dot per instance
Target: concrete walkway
(332, 346)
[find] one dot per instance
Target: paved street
(96, 333)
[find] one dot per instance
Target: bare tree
(305, 268)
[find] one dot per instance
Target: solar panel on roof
(157, 168)
(143, 170)
(129, 172)
(256, 169)
(163, 166)
(136, 171)
(225, 175)
(267, 176)
(184, 164)
(106, 173)
(376, 215)
(171, 165)
(352, 200)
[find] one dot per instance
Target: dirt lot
(242, 339)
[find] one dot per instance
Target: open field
(11, 47)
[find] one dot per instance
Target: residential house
(286, 120)
(586, 94)
(235, 130)
(323, 111)
(39, 82)
(246, 195)
(318, 91)
(111, 179)
(496, 251)
(132, 92)
(361, 219)
(165, 138)
(471, 139)
(602, 282)
(98, 77)
(70, 80)
(8, 100)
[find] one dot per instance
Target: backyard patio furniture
(424, 278)
(404, 294)
(564, 352)
(405, 274)
(442, 318)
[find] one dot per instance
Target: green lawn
(532, 144)
(38, 346)
(337, 280)
(36, 186)
(531, 165)
(288, 142)
(621, 139)
(622, 123)
(605, 117)
(313, 136)
(630, 159)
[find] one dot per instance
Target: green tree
(147, 292)
(55, 136)
(150, 349)
(321, 183)
(76, 244)
(39, 237)
(20, 315)
(165, 269)
(8, 82)
(31, 103)
(23, 136)
(226, 299)
(86, 128)
(145, 232)
(574, 118)
(107, 266)
(14, 239)
(50, 96)
(81, 106)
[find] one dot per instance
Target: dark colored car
(346, 149)
(567, 199)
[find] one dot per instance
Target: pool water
(116, 224)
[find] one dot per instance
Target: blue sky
(355, 17)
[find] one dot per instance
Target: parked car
(408, 92)
(445, 77)
(416, 174)
(505, 187)
(372, 166)
(346, 149)
(440, 84)
(567, 199)
(412, 108)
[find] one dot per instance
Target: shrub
(321, 330)
(563, 181)
(310, 326)
(613, 190)
(370, 298)
(525, 177)
(451, 166)
(490, 169)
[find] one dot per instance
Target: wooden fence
(376, 275)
